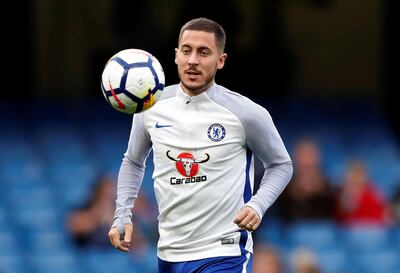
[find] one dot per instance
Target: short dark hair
(207, 25)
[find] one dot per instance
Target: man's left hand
(247, 218)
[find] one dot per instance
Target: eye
(204, 53)
(185, 51)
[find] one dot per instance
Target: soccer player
(203, 138)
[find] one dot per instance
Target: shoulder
(241, 106)
(169, 92)
(164, 100)
(162, 103)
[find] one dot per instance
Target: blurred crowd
(311, 196)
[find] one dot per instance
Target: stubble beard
(195, 90)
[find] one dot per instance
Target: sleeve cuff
(256, 207)
(119, 224)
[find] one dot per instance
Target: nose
(193, 58)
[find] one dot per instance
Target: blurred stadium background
(323, 68)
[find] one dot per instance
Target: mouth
(192, 74)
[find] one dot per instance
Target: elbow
(290, 169)
(129, 160)
(289, 165)
(286, 170)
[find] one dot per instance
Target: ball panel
(129, 106)
(158, 70)
(112, 74)
(140, 81)
(133, 55)
(104, 91)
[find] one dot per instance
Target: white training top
(203, 170)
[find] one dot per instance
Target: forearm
(272, 184)
(131, 172)
(129, 181)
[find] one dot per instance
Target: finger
(240, 216)
(111, 240)
(114, 237)
(128, 233)
(246, 220)
(128, 236)
(254, 223)
(121, 245)
(111, 235)
(251, 220)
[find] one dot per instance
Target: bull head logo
(187, 164)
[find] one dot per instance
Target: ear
(221, 60)
(176, 54)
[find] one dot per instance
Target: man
(203, 137)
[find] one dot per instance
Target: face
(198, 60)
(266, 262)
(307, 155)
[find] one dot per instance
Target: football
(132, 81)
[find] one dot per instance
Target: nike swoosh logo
(161, 126)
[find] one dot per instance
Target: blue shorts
(232, 264)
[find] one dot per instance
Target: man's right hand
(115, 238)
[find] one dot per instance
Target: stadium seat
(270, 232)
(108, 261)
(11, 263)
(43, 219)
(37, 197)
(9, 244)
(3, 216)
(315, 235)
(334, 260)
(72, 173)
(72, 198)
(377, 261)
(55, 262)
(396, 237)
(364, 238)
(24, 171)
(147, 261)
(43, 242)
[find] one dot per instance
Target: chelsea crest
(216, 132)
